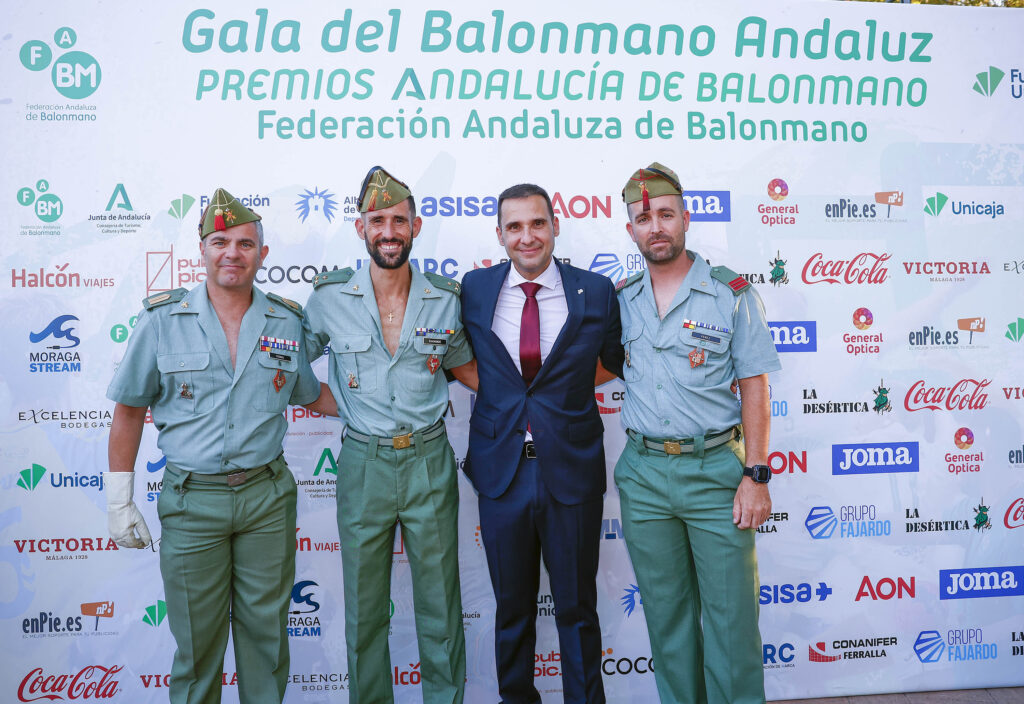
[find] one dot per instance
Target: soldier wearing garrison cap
(392, 333)
(217, 366)
(692, 479)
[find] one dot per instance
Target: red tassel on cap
(218, 220)
(646, 197)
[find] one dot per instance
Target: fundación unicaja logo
(155, 614)
(180, 206)
(75, 74)
(935, 204)
(30, 478)
(987, 81)
(1015, 330)
(47, 206)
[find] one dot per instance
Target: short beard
(389, 263)
(671, 255)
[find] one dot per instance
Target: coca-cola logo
(865, 268)
(91, 682)
(1014, 517)
(964, 395)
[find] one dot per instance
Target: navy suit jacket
(559, 404)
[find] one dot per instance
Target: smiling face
(528, 233)
(659, 233)
(389, 233)
(233, 256)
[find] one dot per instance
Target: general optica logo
(862, 319)
(631, 599)
(986, 82)
(75, 74)
(776, 213)
(316, 201)
(29, 478)
(47, 206)
(963, 438)
(180, 206)
(155, 614)
(875, 458)
(777, 189)
(981, 582)
(934, 205)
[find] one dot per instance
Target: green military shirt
(378, 394)
(213, 418)
(679, 369)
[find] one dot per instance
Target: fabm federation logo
(936, 204)
(795, 335)
(964, 462)
(851, 649)
(58, 357)
(986, 82)
(48, 207)
(853, 521)
(963, 395)
(862, 268)
(91, 682)
(778, 214)
(75, 74)
(875, 458)
(303, 621)
(981, 582)
(316, 201)
(863, 343)
(958, 645)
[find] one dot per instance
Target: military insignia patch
(433, 363)
(696, 358)
(184, 391)
(353, 383)
(279, 381)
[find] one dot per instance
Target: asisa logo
(958, 645)
(75, 74)
(793, 593)
(853, 522)
(963, 395)
(981, 582)
(795, 335)
(875, 458)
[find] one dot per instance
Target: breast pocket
(633, 366)
(704, 355)
(187, 376)
(352, 357)
(275, 381)
(430, 351)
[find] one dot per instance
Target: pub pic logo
(75, 74)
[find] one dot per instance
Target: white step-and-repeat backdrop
(860, 164)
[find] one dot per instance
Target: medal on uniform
(279, 381)
(352, 383)
(185, 391)
(696, 358)
(433, 363)
(627, 359)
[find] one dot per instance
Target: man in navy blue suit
(536, 451)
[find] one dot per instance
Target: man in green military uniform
(689, 503)
(392, 331)
(217, 365)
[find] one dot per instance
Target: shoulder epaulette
(338, 276)
(286, 302)
(443, 282)
(730, 278)
(630, 281)
(162, 299)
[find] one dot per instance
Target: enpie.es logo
(155, 613)
(986, 82)
(75, 74)
(316, 201)
(47, 206)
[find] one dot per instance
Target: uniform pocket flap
(344, 344)
(182, 362)
(267, 359)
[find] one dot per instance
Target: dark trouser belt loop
(697, 446)
(399, 442)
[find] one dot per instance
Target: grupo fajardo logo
(941, 338)
(962, 395)
(864, 342)
(964, 462)
(851, 648)
(91, 682)
(775, 213)
(795, 335)
(886, 588)
(859, 210)
(58, 340)
(608, 264)
(875, 458)
(75, 75)
(854, 522)
(303, 621)
(802, 593)
(958, 645)
(935, 205)
(862, 268)
(47, 207)
(1014, 516)
(981, 582)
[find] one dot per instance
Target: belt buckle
(237, 478)
(530, 450)
(673, 448)
(400, 442)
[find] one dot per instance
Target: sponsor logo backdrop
(859, 164)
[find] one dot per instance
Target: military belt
(400, 442)
(686, 445)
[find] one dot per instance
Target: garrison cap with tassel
(651, 182)
(381, 190)
(224, 211)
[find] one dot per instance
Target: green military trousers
(692, 562)
(228, 551)
(378, 486)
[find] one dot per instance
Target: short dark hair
(525, 190)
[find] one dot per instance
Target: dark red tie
(529, 333)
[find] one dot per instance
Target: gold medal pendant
(696, 358)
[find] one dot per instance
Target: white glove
(123, 516)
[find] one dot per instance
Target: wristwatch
(760, 473)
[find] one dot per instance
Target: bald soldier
(392, 333)
(692, 479)
(217, 365)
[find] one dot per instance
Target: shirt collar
(549, 278)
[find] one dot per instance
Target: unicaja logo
(30, 477)
(180, 206)
(155, 614)
(935, 204)
(987, 81)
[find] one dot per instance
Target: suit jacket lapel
(575, 299)
(489, 306)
